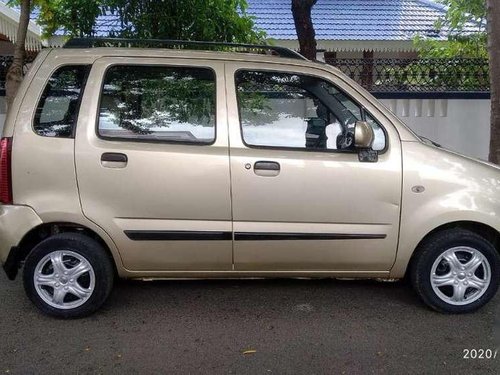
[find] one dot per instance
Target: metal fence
(5, 62)
(416, 76)
(389, 77)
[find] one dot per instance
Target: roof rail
(182, 44)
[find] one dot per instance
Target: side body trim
(177, 235)
(167, 235)
(256, 236)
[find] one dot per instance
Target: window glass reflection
(297, 111)
(57, 111)
(158, 103)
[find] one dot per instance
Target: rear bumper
(15, 222)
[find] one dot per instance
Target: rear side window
(57, 110)
(158, 103)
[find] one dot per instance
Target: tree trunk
(15, 72)
(493, 25)
(301, 10)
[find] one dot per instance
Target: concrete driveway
(283, 326)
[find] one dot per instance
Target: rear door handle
(114, 160)
(267, 168)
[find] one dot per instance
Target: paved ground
(203, 327)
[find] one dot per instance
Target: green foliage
(461, 12)
(460, 43)
(75, 17)
(471, 46)
(206, 20)
(214, 20)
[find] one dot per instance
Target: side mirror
(363, 135)
(363, 141)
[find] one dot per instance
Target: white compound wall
(461, 125)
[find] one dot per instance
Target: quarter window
(158, 103)
(57, 110)
(297, 111)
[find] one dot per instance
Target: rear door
(302, 198)
(152, 162)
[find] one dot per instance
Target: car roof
(98, 52)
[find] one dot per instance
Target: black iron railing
(417, 75)
(5, 62)
(389, 77)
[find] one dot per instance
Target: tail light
(6, 171)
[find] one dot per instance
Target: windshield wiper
(427, 140)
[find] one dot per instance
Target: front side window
(280, 109)
(57, 110)
(158, 103)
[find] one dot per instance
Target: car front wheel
(456, 271)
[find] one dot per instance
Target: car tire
(68, 275)
(455, 271)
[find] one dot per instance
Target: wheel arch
(39, 233)
(484, 230)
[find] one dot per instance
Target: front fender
(455, 188)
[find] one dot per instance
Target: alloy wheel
(460, 275)
(64, 279)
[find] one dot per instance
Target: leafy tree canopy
(75, 17)
(214, 20)
(460, 43)
(210, 20)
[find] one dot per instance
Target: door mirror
(363, 140)
(363, 135)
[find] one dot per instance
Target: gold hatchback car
(149, 163)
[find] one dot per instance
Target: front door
(302, 199)
(152, 162)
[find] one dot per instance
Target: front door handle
(114, 160)
(267, 168)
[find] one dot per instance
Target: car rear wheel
(68, 275)
(456, 271)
